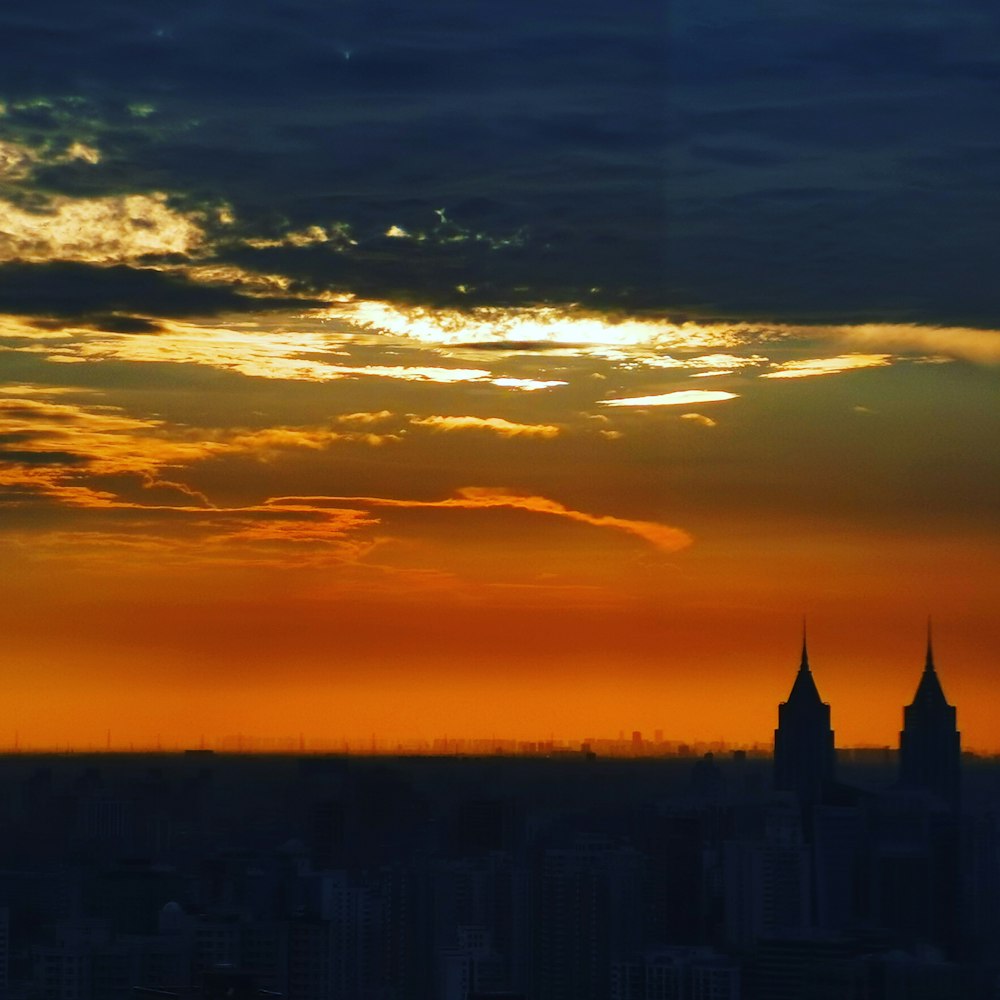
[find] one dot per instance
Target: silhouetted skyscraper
(803, 741)
(930, 751)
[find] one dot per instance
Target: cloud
(107, 230)
(526, 384)
(828, 366)
(85, 291)
(720, 364)
(699, 418)
(13, 389)
(72, 454)
(681, 398)
(19, 161)
(664, 537)
(415, 373)
(519, 347)
(275, 523)
(309, 236)
(979, 345)
(250, 349)
(540, 326)
(16, 161)
(122, 536)
(505, 428)
(718, 361)
(261, 443)
(365, 418)
(116, 323)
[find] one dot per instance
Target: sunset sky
(524, 369)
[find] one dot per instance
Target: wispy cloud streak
(664, 537)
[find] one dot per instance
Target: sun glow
(567, 326)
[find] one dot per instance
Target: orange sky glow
(317, 525)
(491, 372)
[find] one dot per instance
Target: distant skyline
(425, 369)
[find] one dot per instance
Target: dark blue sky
(805, 162)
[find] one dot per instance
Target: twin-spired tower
(929, 743)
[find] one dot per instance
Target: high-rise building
(803, 741)
(930, 752)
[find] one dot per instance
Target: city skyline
(411, 370)
(629, 742)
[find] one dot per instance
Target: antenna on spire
(929, 662)
(804, 665)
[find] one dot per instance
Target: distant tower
(803, 741)
(930, 749)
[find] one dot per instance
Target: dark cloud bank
(808, 162)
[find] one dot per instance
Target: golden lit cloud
(81, 151)
(251, 283)
(505, 428)
(106, 230)
(543, 325)
(730, 361)
(64, 451)
(681, 398)
(635, 340)
(297, 238)
(365, 418)
(828, 366)
(720, 364)
(16, 161)
(980, 346)
(699, 418)
(257, 352)
(526, 384)
(16, 328)
(262, 443)
(417, 373)
(337, 236)
(13, 389)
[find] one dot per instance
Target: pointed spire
(803, 741)
(804, 687)
(930, 745)
(929, 662)
(929, 690)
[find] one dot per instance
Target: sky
(532, 370)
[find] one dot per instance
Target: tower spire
(930, 747)
(803, 741)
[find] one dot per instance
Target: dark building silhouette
(930, 752)
(803, 741)
(663, 876)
